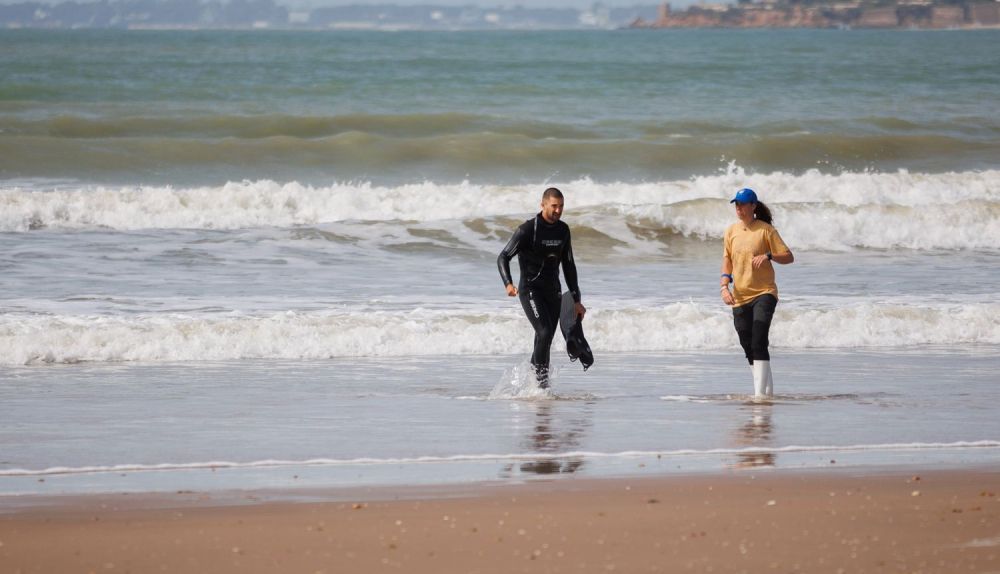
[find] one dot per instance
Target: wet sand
(746, 521)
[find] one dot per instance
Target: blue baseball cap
(745, 195)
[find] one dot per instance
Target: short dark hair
(552, 192)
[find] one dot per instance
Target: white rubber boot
(769, 386)
(761, 371)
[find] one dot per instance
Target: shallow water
(352, 422)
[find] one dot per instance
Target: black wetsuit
(540, 248)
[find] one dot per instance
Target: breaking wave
(812, 210)
(34, 339)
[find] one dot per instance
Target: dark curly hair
(762, 212)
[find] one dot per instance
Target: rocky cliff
(857, 14)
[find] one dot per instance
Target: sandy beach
(831, 521)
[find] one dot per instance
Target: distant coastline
(905, 14)
(274, 15)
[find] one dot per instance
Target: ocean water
(235, 260)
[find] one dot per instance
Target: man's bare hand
(511, 290)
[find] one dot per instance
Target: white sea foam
(272, 463)
(32, 339)
(520, 382)
(684, 399)
(813, 210)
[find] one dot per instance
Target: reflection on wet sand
(755, 431)
(552, 436)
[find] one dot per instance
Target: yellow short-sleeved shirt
(741, 244)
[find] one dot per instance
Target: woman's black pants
(753, 321)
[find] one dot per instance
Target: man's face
(552, 209)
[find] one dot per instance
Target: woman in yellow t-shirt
(750, 247)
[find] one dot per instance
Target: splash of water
(519, 383)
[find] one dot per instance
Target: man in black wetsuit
(541, 244)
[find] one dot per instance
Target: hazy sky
(486, 3)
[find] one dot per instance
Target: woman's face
(745, 211)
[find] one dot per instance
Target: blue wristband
(728, 275)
